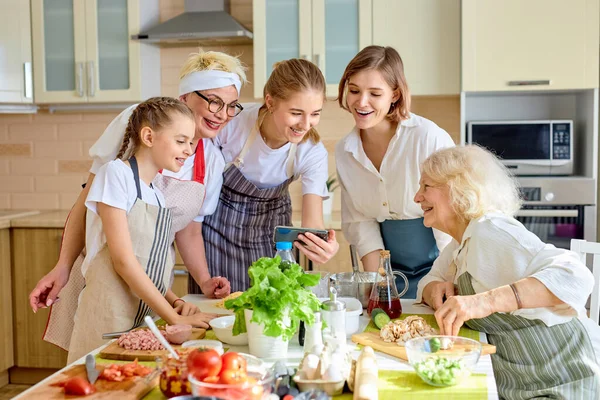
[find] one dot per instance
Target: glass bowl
(259, 389)
(437, 366)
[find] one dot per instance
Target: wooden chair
(582, 248)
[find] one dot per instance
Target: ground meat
(401, 331)
(141, 339)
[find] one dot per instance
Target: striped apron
(183, 198)
(241, 229)
(533, 360)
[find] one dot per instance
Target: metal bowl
(351, 284)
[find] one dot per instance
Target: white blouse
(498, 250)
(370, 196)
(107, 146)
(266, 167)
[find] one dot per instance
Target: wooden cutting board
(115, 352)
(126, 390)
(372, 339)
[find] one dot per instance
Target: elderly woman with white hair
(497, 277)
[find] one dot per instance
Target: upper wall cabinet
(327, 32)
(529, 45)
(82, 51)
(426, 33)
(15, 53)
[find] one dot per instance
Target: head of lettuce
(279, 298)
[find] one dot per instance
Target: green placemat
(393, 385)
(430, 319)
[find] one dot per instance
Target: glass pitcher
(384, 293)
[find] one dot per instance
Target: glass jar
(173, 376)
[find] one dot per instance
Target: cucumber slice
(381, 319)
(376, 311)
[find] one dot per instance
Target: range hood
(204, 22)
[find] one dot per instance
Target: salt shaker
(334, 316)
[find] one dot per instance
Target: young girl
(127, 266)
(266, 148)
(378, 166)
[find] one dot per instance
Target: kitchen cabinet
(327, 32)
(180, 282)
(530, 45)
(35, 252)
(82, 51)
(6, 313)
(426, 33)
(16, 82)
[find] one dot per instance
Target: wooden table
(295, 351)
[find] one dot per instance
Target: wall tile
(33, 167)
(16, 184)
(55, 118)
(66, 200)
(5, 201)
(4, 167)
(81, 131)
(74, 166)
(15, 118)
(3, 132)
(58, 150)
(15, 149)
(34, 201)
(59, 184)
(21, 132)
(100, 117)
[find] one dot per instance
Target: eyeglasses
(216, 104)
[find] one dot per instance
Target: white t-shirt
(107, 146)
(266, 167)
(370, 196)
(114, 185)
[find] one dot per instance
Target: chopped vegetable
(121, 372)
(381, 319)
(440, 371)
(434, 345)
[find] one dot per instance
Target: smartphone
(290, 233)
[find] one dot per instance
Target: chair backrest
(582, 248)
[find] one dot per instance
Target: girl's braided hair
(155, 113)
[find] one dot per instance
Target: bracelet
(514, 289)
(176, 300)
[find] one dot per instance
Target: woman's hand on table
(184, 308)
(316, 249)
(435, 293)
(458, 309)
(199, 320)
(216, 288)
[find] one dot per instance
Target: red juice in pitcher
(392, 308)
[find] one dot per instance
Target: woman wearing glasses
(210, 84)
(266, 148)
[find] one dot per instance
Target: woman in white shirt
(210, 84)
(378, 166)
(497, 277)
(266, 148)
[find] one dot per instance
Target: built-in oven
(559, 209)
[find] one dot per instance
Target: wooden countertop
(6, 216)
(56, 219)
(45, 219)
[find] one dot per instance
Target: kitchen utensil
(372, 339)
(115, 352)
(347, 287)
(358, 275)
(334, 316)
(223, 329)
(90, 367)
(114, 335)
(246, 390)
(384, 294)
(160, 337)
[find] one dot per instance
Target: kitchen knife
(113, 335)
(90, 367)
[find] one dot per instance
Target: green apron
(412, 249)
(533, 360)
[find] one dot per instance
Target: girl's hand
(316, 249)
(184, 308)
(458, 309)
(199, 320)
(47, 289)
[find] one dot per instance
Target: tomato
(232, 377)
(211, 379)
(204, 362)
(79, 386)
(233, 361)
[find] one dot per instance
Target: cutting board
(372, 339)
(126, 390)
(115, 352)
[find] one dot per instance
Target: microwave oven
(527, 147)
